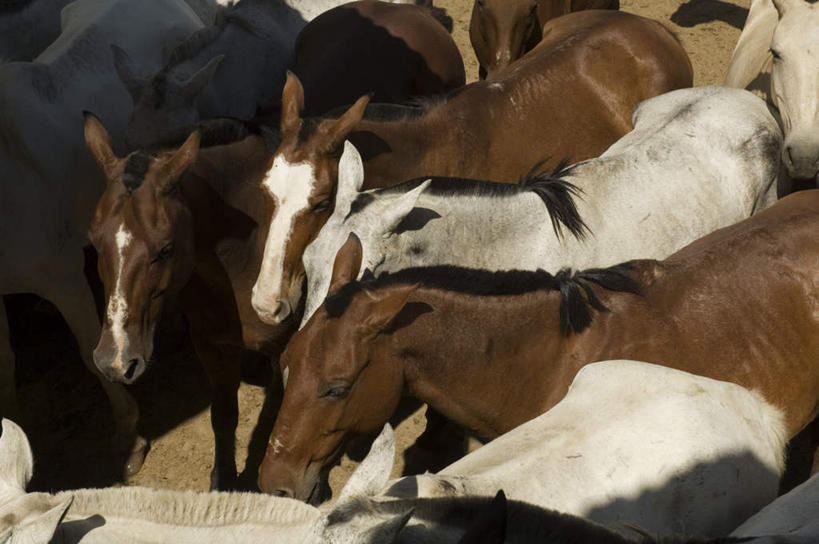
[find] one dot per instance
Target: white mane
(190, 508)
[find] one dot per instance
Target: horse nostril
(282, 310)
(286, 493)
(132, 368)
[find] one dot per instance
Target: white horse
(697, 160)
(782, 37)
(233, 69)
(49, 182)
(631, 443)
(133, 515)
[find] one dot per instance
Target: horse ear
(292, 105)
(347, 263)
(99, 143)
(16, 459)
(192, 87)
(490, 528)
(401, 207)
(350, 175)
(337, 131)
(374, 471)
(753, 47)
(179, 162)
(387, 304)
(127, 72)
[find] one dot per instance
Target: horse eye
(164, 253)
(776, 54)
(323, 205)
(338, 392)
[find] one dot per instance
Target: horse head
(337, 388)
(143, 233)
(298, 189)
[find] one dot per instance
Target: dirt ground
(65, 412)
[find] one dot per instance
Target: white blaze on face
(117, 307)
(290, 186)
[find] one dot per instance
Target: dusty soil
(65, 411)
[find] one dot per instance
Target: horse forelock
(578, 299)
(136, 166)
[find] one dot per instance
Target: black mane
(577, 296)
(556, 193)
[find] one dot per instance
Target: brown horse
(183, 221)
(501, 31)
(397, 51)
(572, 96)
(493, 350)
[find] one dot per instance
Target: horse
(492, 350)
(183, 221)
(680, 442)
(780, 36)
(364, 514)
(399, 51)
(231, 69)
(27, 27)
(545, 108)
(50, 180)
(649, 194)
(502, 31)
(136, 514)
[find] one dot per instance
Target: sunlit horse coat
(697, 160)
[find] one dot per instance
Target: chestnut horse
(397, 51)
(160, 231)
(570, 97)
(493, 350)
(501, 31)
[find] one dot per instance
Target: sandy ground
(64, 409)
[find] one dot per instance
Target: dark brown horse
(493, 350)
(572, 96)
(501, 31)
(183, 222)
(396, 51)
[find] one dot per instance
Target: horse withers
(492, 350)
(565, 99)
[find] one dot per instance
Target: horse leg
(8, 391)
(75, 301)
(222, 366)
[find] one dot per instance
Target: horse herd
(609, 274)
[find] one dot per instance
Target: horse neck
(511, 231)
(495, 373)
(445, 141)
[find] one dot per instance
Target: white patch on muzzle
(290, 186)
